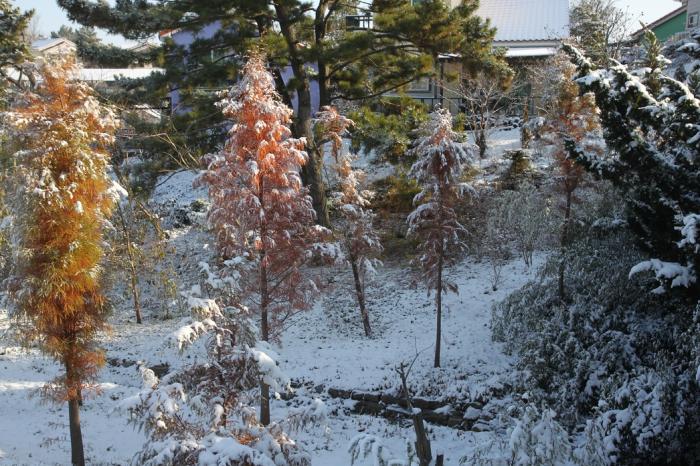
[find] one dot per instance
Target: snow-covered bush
(202, 414)
(651, 124)
(609, 353)
(365, 446)
(539, 440)
(522, 218)
(536, 439)
(683, 57)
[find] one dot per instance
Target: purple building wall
(185, 38)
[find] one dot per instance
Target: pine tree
(442, 158)
(656, 139)
(573, 118)
(13, 48)
(361, 242)
(64, 202)
(260, 210)
(402, 42)
(654, 61)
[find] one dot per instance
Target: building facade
(676, 24)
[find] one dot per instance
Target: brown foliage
(260, 209)
(62, 208)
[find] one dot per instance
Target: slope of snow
(176, 188)
(324, 347)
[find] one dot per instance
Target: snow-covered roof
(41, 45)
(513, 52)
(111, 74)
(527, 20)
(521, 52)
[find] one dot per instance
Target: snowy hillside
(322, 349)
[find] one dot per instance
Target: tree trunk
(265, 334)
(438, 305)
(423, 450)
(312, 172)
(76, 435)
(482, 143)
(320, 30)
(135, 294)
(360, 292)
(313, 177)
(132, 264)
(264, 301)
(564, 243)
(422, 443)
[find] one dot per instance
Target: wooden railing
(358, 22)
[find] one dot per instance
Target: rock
(338, 393)
(364, 396)
(481, 427)
(319, 388)
(472, 414)
(436, 418)
(368, 407)
(474, 404)
(116, 362)
(160, 369)
(426, 404)
(392, 400)
(456, 422)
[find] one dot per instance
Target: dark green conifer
(397, 43)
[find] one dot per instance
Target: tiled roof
(111, 74)
(526, 20)
(43, 44)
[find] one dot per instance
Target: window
(693, 20)
(419, 85)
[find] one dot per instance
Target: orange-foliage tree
(64, 200)
(259, 208)
(571, 117)
(360, 241)
(442, 158)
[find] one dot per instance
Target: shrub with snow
(610, 353)
(202, 414)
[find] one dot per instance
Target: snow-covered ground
(321, 349)
(324, 347)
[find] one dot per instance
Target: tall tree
(397, 42)
(656, 140)
(442, 158)
(260, 210)
(65, 200)
(599, 27)
(360, 241)
(571, 118)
